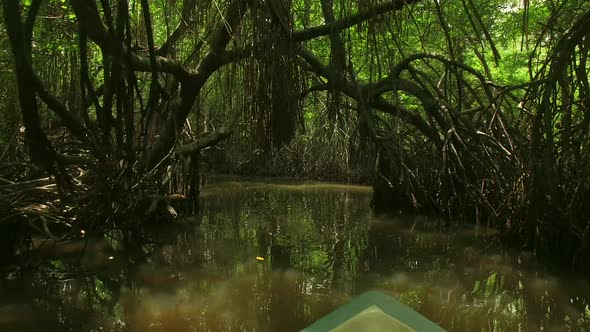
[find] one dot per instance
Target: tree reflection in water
(321, 246)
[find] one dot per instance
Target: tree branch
(326, 29)
(89, 21)
(61, 110)
(192, 85)
(39, 146)
(203, 143)
(188, 8)
(30, 20)
(176, 35)
(373, 99)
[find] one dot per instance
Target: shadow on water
(321, 246)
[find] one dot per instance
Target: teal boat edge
(386, 303)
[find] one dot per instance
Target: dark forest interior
(436, 149)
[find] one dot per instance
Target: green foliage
(471, 110)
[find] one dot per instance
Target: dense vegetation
(473, 111)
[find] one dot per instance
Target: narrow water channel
(278, 256)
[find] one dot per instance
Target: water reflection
(321, 246)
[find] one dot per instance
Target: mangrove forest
(253, 165)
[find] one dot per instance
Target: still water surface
(321, 245)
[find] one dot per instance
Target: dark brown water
(321, 246)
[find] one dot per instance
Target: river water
(277, 256)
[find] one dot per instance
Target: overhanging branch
(371, 95)
(326, 29)
(90, 21)
(191, 86)
(200, 144)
